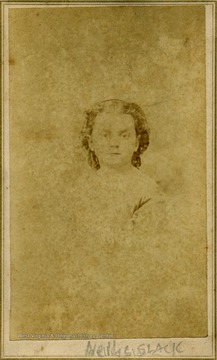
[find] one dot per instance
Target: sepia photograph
(108, 180)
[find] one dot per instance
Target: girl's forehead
(114, 121)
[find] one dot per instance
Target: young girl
(115, 135)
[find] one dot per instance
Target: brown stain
(36, 206)
(48, 134)
(12, 61)
(186, 41)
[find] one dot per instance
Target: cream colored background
(61, 61)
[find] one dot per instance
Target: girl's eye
(124, 135)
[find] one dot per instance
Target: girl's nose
(114, 142)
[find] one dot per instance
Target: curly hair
(108, 106)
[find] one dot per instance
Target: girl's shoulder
(146, 185)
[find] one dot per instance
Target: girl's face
(114, 139)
